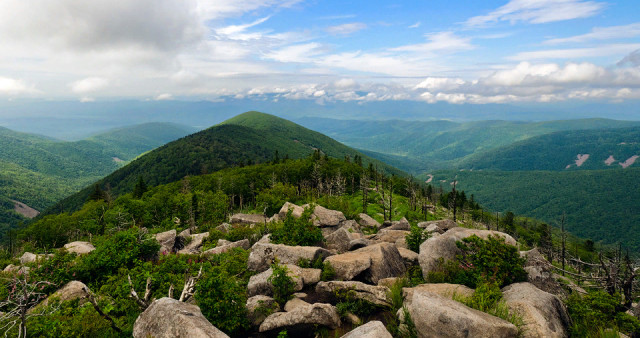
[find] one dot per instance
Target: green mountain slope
(428, 145)
(39, 171)
(599, 204)
(558, 150)
(251, 137)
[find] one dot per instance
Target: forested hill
(576, 149)
(416, 146)
(248, 138)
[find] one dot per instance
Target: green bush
(328, 273)
(283, 285)
(348, 301)
(297, 231)
(598, 311)
(415, 237)
(488, 298)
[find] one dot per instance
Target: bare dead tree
(190, 286)
(24, 295)
(92, 299)
(144, 302)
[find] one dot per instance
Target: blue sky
(328, 51)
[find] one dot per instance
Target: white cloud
(164, 97)
(539, 11)
(217, 9)
(90, 84)
(416, 25)
(296, 53)
(633, 59)
(86, 99)
(346, 29)
(576, 53)
(601, 33)
(438, 42)
(9, 86)
(440, 83)
(237, 32)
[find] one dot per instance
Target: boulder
(227, 247)
(80, 248)
(401, 243)
(29, 257)
(296, 211)
(443, 225)
(340, 239)
(433, 229)
(438, 316)
(71, 291)
(167, 240)
(443, 289)
(302, 318)
(168, 318)
(388, 282)
(323, 217)
(544, 314)
(444, 246)
(263, 254)
(259, 284)
(368, 221)
(373, 329)
(193, 247)
(259, 307)
(357, 244)
(409, 257)
(373, 294)
(370, 263)
(248, 219)
(352, 226)
(17, 268)
(402, 224)
(293, 303)
(540, 273)
(389, 236)
(224, 227)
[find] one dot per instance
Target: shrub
(598, 311)
(348, 301)
(415, 237)
(297, 231)
(488, 298)
(328, 273)
(283, 285)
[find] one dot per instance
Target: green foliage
(395, 295)
(328, 273)
(415, 237)
(348, 301)
(298, 231)
(283, 285)
(271, 199)
(487, 298)
(490, 260)
(597, 311)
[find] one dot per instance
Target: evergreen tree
(97, 194)
(140, 188)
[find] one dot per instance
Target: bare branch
(92, 300)
(189, 286)
(142, 303)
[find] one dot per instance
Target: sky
(476, 52)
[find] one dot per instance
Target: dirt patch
(631, 160)
(610, 160)
(581, 158)
(24, 209)
(430, 179)
(117, 160)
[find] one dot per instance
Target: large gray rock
(29, 257)
(370, 263)
(444, 247)
(544, 315)
(79, 247)
(294, 303)
(296, 211)
(167, 240)
(437, 316)
(194, 245)
(259, 307)
(340, 239)
(368, 221)
(443, 225)
(169, 318)
(248, 219)
(323, 217)
(71, 291)
(390, 236)
(410, 258)
(244, 243)
(373, 294)
(263, 254)
(373, 329)
(302, 318)
(540, 273)
(443, 289)
(402, 224)
(259, 284)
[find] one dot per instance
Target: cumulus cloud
(538, 11)
(9, 86)
(90, 84)
(164, 97)
(633, 59)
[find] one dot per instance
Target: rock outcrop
(81, 248)
(340, 240)
(263, 254)
(443, 289)
(544, 314)
(245, 244)
(302, 318)
(370, 263)
(296, 211)
(323, 217)
(444, 247)
(437, 316)
(259, 284)
(368, 221)
(259, 307)
(169, 318)
(248, 219)
(373, 294)
(194, 243)
(540, 273)
(167, 240)
(372, 329)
